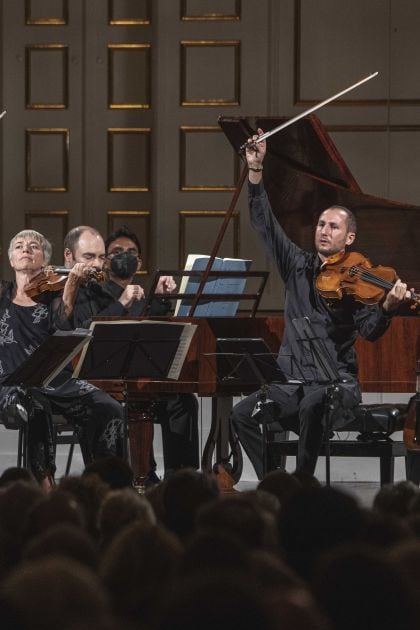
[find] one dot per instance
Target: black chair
(374, 423)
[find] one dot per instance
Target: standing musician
(119, 296)
(24, 324)
(335, 322)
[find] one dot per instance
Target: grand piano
(303, 174)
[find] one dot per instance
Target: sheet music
(186, 332)
(179, 358)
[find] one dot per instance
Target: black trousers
(294, 408)
(97, 414)
(178, 417)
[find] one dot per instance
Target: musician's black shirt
(337, 322)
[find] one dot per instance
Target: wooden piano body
(387, 365)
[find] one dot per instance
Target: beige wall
(113, 107)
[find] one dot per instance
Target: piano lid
(304, 173)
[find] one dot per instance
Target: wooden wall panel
(170, 68)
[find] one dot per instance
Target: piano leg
(222, 440)
(140, 437)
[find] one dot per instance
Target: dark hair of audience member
(51, 593)
(114, 471)
(210, 552)
(206, 602)
(385, 530)
(89, 492)
(242, 518)
(16, 501)
(138, 569)
(406, 557)
(63, 540)
(121, 508)
(55, 509)
(358, 587)
(396, 498)
(306, 479)
(286, 598)
(184, 493)
(317, 519)
(15, 473)
(154, 494)
(280, 484)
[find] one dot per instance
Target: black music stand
(327, 374)
(38, 370)
(130, 350)
(244, 362)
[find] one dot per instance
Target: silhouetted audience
(292, 555)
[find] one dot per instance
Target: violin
(53, 279)
(353, 274)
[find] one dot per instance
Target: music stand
(245, 362)
(132, 350)
(327, 374)
(38, 370)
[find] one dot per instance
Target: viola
(53, 279)
(353, 274)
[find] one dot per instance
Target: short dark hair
(122, 232)
(72, 238)
(351, 219)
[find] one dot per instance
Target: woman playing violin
(299, 406)
(24, 324)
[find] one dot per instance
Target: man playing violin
(299, 406)
(24, 324)
(120, 258)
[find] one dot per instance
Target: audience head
(314, 520)
(280, 484)
(184, 493)
(51, 593)
(121, 508)
(359, 587)
(63, 540)
(15, 473)
(139, 568)
(113, 470)
(242, 518)
(396, 498)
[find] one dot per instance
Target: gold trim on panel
(47, 21)
(65, 133)
(213, 102)
(45, 214)
(129, 21)
(207, 17)
(184, 129)
(184, 215)
(52, 47)
(368, 128)
(298, 100)
(116, 47)
(146, 214)
(121, 131)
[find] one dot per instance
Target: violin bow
(253, 143)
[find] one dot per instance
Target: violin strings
(371, 277)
